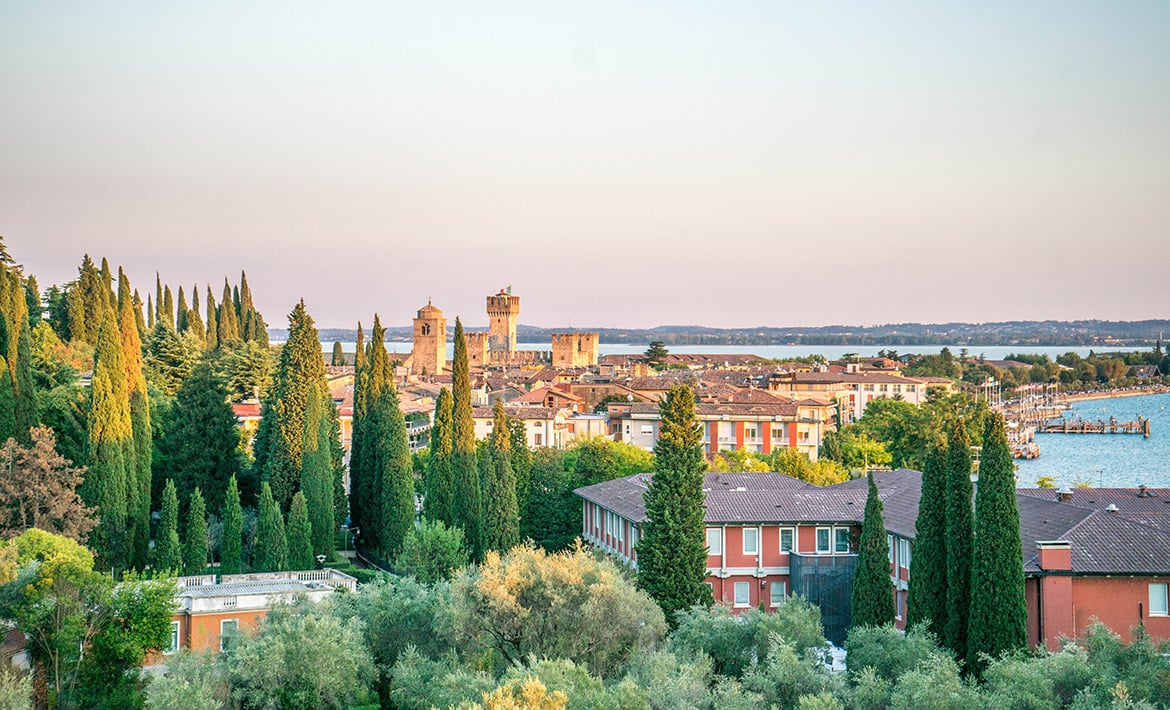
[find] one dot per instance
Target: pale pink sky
(619, 164)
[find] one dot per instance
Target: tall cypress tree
(229, 330)
(959, 539)
(388, 449)
(136, 302)
(158, 299)
(927, 598)
(501, 524)
(300, 534)
(95, 300)
(75, 309)
(168, 308)
(672, 554)
(231, 541)
(139, 451)
(873, 590)
(7, 401)
(181, 312)
(168, 555)
(466, 506)
(317, 474)
(439, 486)
(999, 613)
(359, 493)
(338, 355)
(194, 320)
(212, 323)
(149, 311)
(271, 548)
(25, 391)
(300, 369)
(195, 543)
(521, 462)
(110, 434)
(365, 477)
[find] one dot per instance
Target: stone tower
(574, 349)
(503, 309)
(430, 342)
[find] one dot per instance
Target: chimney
(1054, 554)
(1143, 492)
(1064, 495)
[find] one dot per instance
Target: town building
(429, 355)
(1087, 554)
(574, 349)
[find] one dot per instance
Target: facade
(208, 611)
(503, 311)
(574, 349)
(429, 355)
(1088, 554)
(852, 391)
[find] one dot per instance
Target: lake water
(1108, 460)
(832, 352)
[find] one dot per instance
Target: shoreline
(1090, 396)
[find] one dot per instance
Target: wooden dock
(1099, 426)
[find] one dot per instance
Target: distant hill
(1081, 333)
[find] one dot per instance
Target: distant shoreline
(1115, 394)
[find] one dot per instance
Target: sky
(619, 164)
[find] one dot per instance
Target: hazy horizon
(619, 165)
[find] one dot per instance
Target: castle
(496, 347)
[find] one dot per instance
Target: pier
(1099, 426)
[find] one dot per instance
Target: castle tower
(574, 349)
(430, 342)
(503, 309)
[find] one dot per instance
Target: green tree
(139, 451)
(656, 353)
(249, 371)
(282, 423)
(466, 505)
(232, 538)
(360, 481)
(170, 358)
(110, 438)
(271, 553)
(521, 461)
(228, 324)
(999, 615)
(501, 525)
(439, 486)
(433, 552)
(926, 602)
(317, 474)
(338, 355)
(959, 540)
(595, 461)
(201, 438)
(168, 555)
(552, 515)
(181, 312)
(195, 543)
(873, 592)
(212, 336)
(672, 554)
(394, 470)
(300, 534)
(7, 402)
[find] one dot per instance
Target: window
(779, 593)
(743, 594)
(823, 541)
(904, 553)
(787, 538)
(898, 605)
(647, 428)
(227, 628)
(890, 547)
(751, 541)
(1158, 600)
(537, 439)
(841, 540)
(633, 537)
(173, 646)
(714, 541)
(751, 432)
(596, 518)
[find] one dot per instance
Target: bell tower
(430, 342)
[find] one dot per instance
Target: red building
(1092, 554)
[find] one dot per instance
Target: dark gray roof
(899, 491)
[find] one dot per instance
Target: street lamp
(320, 560)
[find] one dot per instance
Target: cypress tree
(388, 450)
(158, 298)
(25, 391)
(337, 459)
(959, 540)
(140, 449)
(95, 299)
(439, 486)
(136, 302)
(317, 475)
(212, 323)
(873, 591)
(369, 430)
(521, 462)
(168, 556)
(194, 320)
(300, 369)
(32, 293)
(300, 534)
(230, 554)
(271, 553)
(75, 308)
(149, 311)
(229, 330)
(501, 524)
(338, 355)
(107, 285)
(672, 554)
(466, 507)
(181, 312)
(359, 490)
(7, 402)
(200, 441)
(999, 613)
(927, 598)
(168, 314)
(110, 434)
(195, 543)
